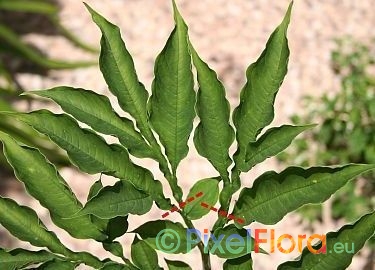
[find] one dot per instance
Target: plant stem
(206, 262)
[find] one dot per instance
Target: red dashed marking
(222, 213)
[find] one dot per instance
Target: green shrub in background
(14, 50)
(158, 127)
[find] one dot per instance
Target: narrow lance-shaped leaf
(20, 258)
(264, 78)
(340, 247)
(213, 135)
(44, 183)
(274, 195)
(272, 142)
(143, 256)
(57, 265)
(96, 111)
(172, 102)
(118, 200)
(118, 70)
(23, 223)
(91, 153)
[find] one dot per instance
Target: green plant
(14, 49)
(169, 112)
(346, 132)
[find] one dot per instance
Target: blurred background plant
(346, 133)
(17, 18)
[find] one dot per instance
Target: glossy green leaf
(274, 195)
(264, 78)
(44, 183)
(340, 248)
(210, 189)
(271, 143)
(103, 158)
(116, 266)
(244, 262)
(96, 111)
(213, 135)
(116, 201)
(143, 256)
(119, 72)
(172, 102)
(165, 235)
(23, 223)
(230, 242)
(57, 265)
(177, 265)
(19, 258)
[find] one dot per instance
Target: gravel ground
(229, 35)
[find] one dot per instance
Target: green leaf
(143, 256)
(35, 6)
(271, 143)
(19, 258)
(340, 247)
(116, 201)
(165, 235)
(103, 158)
(177, 265)
(119, 72)
(210, 189)
(115, 248)
(264, 78)
(213, 135)
(273, 195)
(230, 242)
(23, 223)
(244, 262)
(57, 265)
(116, 266)
(96, 111)
(171, 105)
(43, 182)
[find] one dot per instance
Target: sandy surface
(229, 35)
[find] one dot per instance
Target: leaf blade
(264, 78)
(213, 135)
(19, 258)
(171, 105)
(274, 195)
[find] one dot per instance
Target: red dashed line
(222, 213)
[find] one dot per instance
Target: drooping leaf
(244, 262)
(57, 265)
(96, 111)
(103, 158)
(171, 105)
(143, 256)
(340, 247)
(19, 258)
(213, 135)
(264, 78)
(273, 195)
(36, 6)
(210, 189)
(271, 143)
(44, 183)
(177, 265)
(230, 242)
(23, 223)
(165, 235)
(116, 201)
(118, 70)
